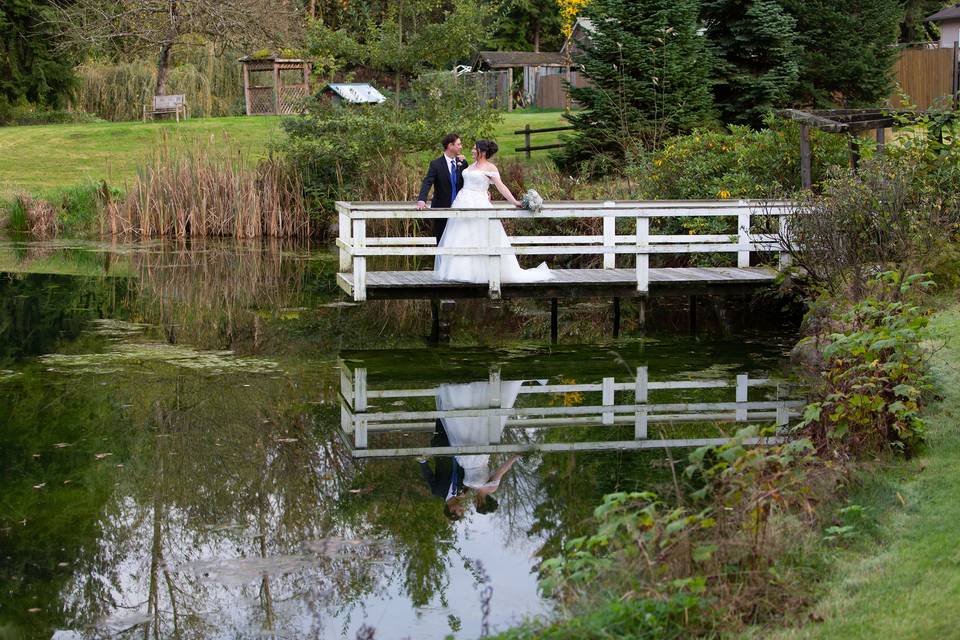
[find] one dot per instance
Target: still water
(205, 442)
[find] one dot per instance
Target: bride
(472, 232)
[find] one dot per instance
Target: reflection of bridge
(366, 413)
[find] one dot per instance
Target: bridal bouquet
(532, 200)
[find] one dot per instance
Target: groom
(445, 175)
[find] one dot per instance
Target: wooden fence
(927, 76)
(528, 132)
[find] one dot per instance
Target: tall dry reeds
(204, 191)
(35, 215)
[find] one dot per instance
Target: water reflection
(179, 458)
(473, 416)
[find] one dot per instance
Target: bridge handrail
(356, 246)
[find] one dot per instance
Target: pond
(205, 441)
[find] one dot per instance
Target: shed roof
(504, 59)
(950, 13)
(356, 92)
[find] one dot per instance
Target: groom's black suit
(438, 177)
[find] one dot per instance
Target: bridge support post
(554, 324)
(440, 311)
(642, 313)
(616, 317)
(693, 315)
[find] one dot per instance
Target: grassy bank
(42, 159)
(901, 579)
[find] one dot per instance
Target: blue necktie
(453, 181)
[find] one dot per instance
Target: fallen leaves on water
(61, 445)
(288, 439)
(362, 491)
(40, 486)
(34, 610)
(101, 456)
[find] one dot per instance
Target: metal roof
(504, 59)
(356, 92)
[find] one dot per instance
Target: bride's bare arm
(502, 188)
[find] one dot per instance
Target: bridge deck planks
(566, 283)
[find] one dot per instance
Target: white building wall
(949, 33)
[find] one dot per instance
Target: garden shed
(535, 66)
(273, 85)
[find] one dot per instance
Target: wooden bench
(167, 104)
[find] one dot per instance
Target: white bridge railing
(356, 243)
(365, 411)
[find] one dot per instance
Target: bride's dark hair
(488, 147)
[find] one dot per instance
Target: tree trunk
(536, 35)
(166, 49)
(313, 9)
(163, 69)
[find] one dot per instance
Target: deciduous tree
(158, 26)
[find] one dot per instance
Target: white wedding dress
(466, 232)
(467, 431)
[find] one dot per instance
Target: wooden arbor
(274, 85)
(848, 121)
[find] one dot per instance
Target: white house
(949, 21)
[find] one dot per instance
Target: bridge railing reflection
(497, 408)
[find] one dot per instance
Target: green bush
(873, 375)
(737, 163)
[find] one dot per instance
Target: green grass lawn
(904, 582)
(42, 158)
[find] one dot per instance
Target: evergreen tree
(848, 50)
(914, 28)
(30, 70)
(757, 57)
(649, 74)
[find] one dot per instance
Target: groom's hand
(421, 205)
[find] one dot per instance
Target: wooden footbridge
(370, 250)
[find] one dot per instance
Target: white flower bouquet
(532, 200)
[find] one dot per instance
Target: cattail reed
(202, 191)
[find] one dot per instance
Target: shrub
(873, 375)
(736, 163)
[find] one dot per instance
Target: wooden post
(806, 160)
(493, 264)
(741, 411)
(359, 262)
(526, 139)
(360, 390)
(881, 133)
(609, 241)
(642, 314)
(608, 394)
(640, 400)
(784, 228)
(854, 145)
(494, 402)
(743, 238)
(510, 97)
(643, 258)
(246, 88)
(345, 232)
(616, 317)
(554, 324)
(692, 318)
(956, 76)
(276, 88)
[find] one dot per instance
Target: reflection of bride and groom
(466, 477)
(457, 184)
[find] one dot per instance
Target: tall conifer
(757, 57)
(649, 73)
